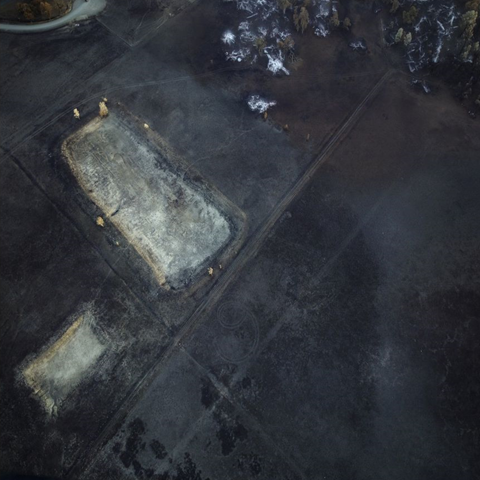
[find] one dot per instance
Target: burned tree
(334, 20)
(395, 6)
(409, 16)
(260, 44)
(283, 5)
(301, 19)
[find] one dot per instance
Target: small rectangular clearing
(175, 224)
(58, 370)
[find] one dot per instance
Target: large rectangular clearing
(173, 223)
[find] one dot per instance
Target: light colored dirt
(58, 370)
(171, 223)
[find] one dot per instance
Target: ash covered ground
(312, 174)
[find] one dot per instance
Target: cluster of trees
(468, 25)
(408, 16)
(473, 5)
(288, 48)
(301, 16)
(42, 9)
(462, 68)
(335, 22)
(403, 36)
(260, 44)
(287, 45)
(394, 6)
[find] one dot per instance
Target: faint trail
(323, 272)
(248, 252)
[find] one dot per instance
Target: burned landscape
(259, 259)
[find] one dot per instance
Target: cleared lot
(172, 223)
(340, 339)
(57, 371)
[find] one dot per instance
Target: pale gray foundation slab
(57, 371)
(175, 225)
